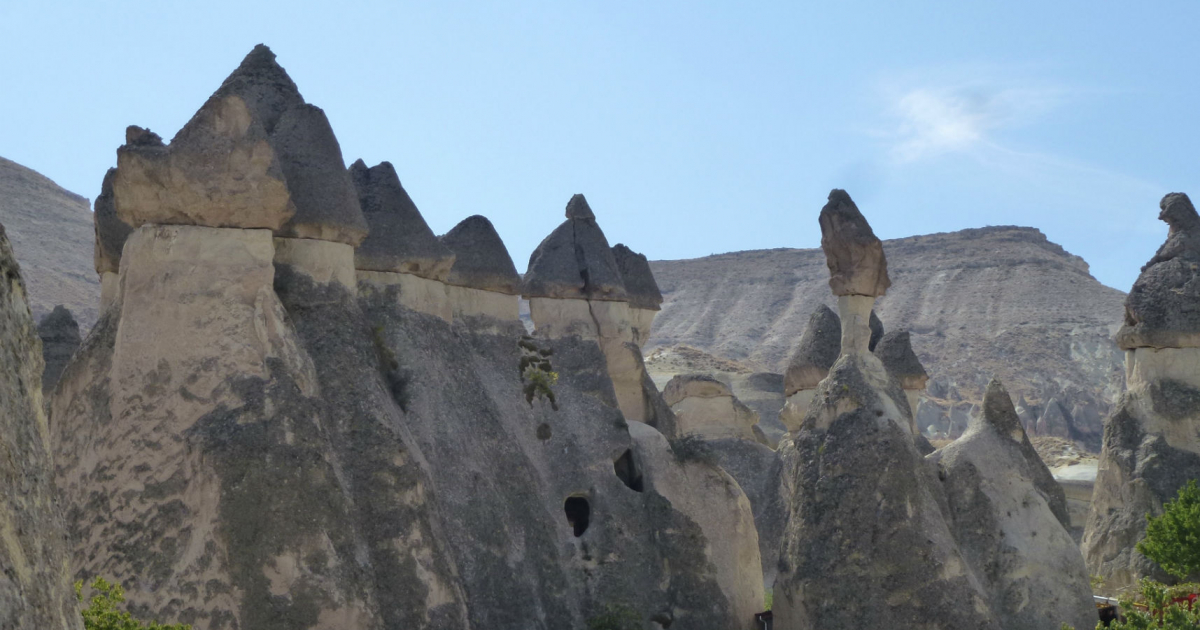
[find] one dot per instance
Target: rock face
(1150, 442)
(818, 350)
(1010, 519)
(645, 300)
(35, 586)
(247, 440)
(895, 352)
(758, 470)
(400, 241)
(483, 280)
(1023, 309)
(111, 233)
(59, 333)
(707, 407)
(575, 261)
(51, 232)
(854, 254)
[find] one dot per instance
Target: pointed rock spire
(575, 261)
(1162, 309)
(895, 352)
(637, 277)
(399, 239)
(481, 260)
(264, 85)
(857, 265)
(818, 350)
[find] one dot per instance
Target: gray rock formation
(481, 260)
(59, 333)
(111, 232)
(877, 331)
(705, 406)
(1010, 520)
(399, 240)
(1054, 421)
(638, 279)
(51, 233)
(35, 586)
(854, 254)
(759, 472)
(896, 353)
(1150, 446)
(816, 353)
(575, 261)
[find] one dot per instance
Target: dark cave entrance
(627, 471)
(579, 514)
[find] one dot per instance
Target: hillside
(1000, 301)
(51, 233)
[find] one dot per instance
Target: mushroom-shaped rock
(1010, 519)
(857, 265)
(1160, 310)
(399, 240)
(575, 261)
(694, 386)
(60, 339)
(638, 279)
(481, 260)
(816, 352)
(705, 406)
(896, 353)
(220, 170)
(320, 187)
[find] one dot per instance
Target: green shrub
(616, 617)
(1173, 539)
(536, 372)
(102, 613)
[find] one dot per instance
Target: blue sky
(693, 128)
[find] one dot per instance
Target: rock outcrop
(110, 233)
(895, 352)
(35, 585)
(59, 333)
(819, 347)
(645, 300)
(483, 282)
(400, 251)
(1010, 519)
(758, 471)
(1151, 446)
(707, 407)
(854, 254)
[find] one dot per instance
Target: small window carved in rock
(627, 471)
(579, 514)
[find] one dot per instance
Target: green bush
(102, 613)
(536, 372)
(1173, 539)
(1161, 613)
(616, 617)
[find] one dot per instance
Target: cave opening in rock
(627, 471)
(579, 514)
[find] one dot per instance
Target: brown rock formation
(855, 257)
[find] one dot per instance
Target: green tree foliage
(616, 617)
(102, 613)
(1173, 539)
(536, 372)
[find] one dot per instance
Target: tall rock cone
(1010, 519)
(35, 584)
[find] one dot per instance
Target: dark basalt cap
(819, 347)
(399, 239)
(857, 265)
(575, 261)
(638, 279)
(110, 231)
(264, 85)
(1162, 309)
(317, 180)
(895, 352)
(481, 260)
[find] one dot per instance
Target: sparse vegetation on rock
(103, 613)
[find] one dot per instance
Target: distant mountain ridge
(1001, 301)
(52, 236)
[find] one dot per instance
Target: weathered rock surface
(1161, 308)
(817, 351)
(35, 585)
(59, 333)
(853, 253)
(400, 240)
(575, 261)
(481, 260)
(51, 233)
(896, 352)
(1010, 520)
(638, 279)
(706, 407)
(111, 232)
(1023, 309)
(759, 472)
(866, 544)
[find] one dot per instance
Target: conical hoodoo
(290, 415)
(871, 540)
(1150, 447)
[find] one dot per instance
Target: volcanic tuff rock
(60, 339)
(705, 406)
(111, 232)
(399, 239)
(816, 352)
(1160, 311)
(896, 353)
(481, 260)
(759, 472)
(51, 233)
(854, 254)
(1010, 519)
(638, 279)
(575, 261)
(35, 586)
(1018, 306)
